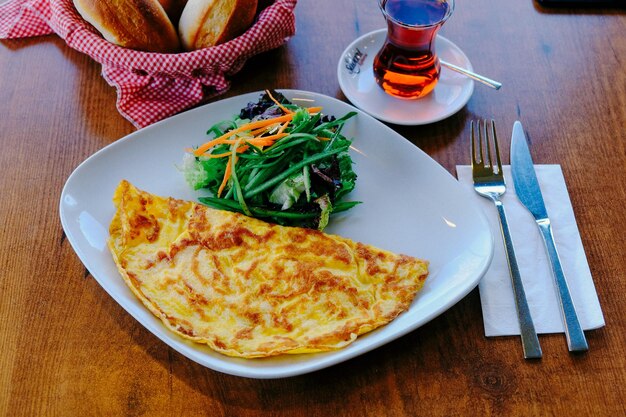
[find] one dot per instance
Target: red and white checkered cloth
(151, 86)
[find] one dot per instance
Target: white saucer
(356, 79)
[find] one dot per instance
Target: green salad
(276, 161)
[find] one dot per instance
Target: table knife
(529, 193)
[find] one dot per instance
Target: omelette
(250, 289)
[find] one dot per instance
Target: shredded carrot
(283, 108)
(254, 140)
(262, 141)
(261, 130)
(226, 177)
(314, 110)
(271, 138)
(222, 155)
(248, 126)
(283, 127)
(218, 155)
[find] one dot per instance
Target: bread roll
(134, 24)
(206, 23)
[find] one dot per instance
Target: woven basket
(152, 86)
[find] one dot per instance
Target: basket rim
(83, 37)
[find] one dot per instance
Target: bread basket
(152, 86)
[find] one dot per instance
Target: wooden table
(67, 348)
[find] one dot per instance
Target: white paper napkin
(496, 292)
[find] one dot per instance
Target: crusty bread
(173, 8)
(206, 23)
(134, 24)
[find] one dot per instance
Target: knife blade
(529, 193)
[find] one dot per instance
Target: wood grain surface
(67, 348)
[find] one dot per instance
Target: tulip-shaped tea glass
(407, 65)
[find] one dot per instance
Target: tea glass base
(408, 96)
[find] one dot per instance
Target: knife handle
(530, 341)
(574, 334)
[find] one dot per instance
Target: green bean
(293, 169)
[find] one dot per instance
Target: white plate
(410, 205)
(452, 92)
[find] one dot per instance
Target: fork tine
(495, 144)
(473, 144)
(485, 135)
(476, 140)
(481, 139)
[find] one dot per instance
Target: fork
(489, 183)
